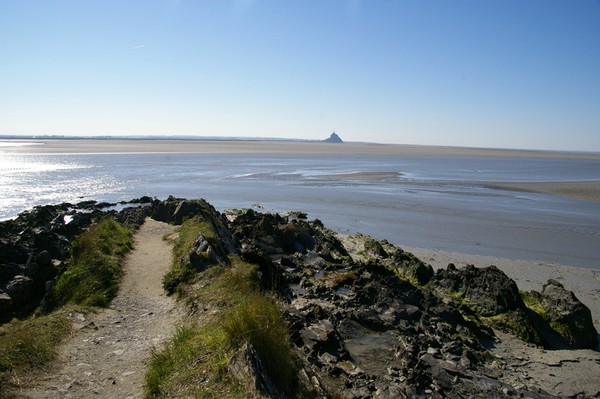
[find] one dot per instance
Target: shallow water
(430, 202)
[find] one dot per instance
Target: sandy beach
(587, 190)
(68, 146)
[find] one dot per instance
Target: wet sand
(587, 190)
(68, 146)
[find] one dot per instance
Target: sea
(435, 202)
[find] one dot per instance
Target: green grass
(193, 363)
(91, 279)
(181, 274)
(94, 272)
(28, 344)
(257, 321)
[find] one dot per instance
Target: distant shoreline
(181, 145)
(589, 190)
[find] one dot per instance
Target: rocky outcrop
(363, 323)
(554, 318)
(247, 369)
(489, 296)
(366, 318)
(176, 210)
(564, 314)
(333, 138)
(34, 248)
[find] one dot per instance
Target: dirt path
(106, 355)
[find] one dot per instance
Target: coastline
(528, 274)
(87, 146)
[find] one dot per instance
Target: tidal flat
(535, 214)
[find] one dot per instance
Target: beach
(586, 190)
(75, 146)
(585, 282)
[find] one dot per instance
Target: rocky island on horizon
(366, 319)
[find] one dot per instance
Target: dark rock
(488, 295)
(142, 200)
(321, 336)
(246, 368)
(163, 210)
(570, 318)
(487, 289)
(31, 245)
(19, 288)
(295, 238)
(5, 303)
(412, 267)
(203, 255)
(362, 326)
(133, 217)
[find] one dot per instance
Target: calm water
(430, 202)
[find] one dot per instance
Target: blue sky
(483, 73)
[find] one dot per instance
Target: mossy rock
(564, 314)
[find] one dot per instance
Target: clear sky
(484, 73)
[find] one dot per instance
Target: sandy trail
(106, 355)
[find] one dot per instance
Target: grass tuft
(93, 276)
(28, 344)
(233, 311)
(257, 321)
(181, 273)
(193, 363)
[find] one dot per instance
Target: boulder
(487, 290)
(203, 254)
(488, 295)
(570, 318)
(295, 238)
(412, 267)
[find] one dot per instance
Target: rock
(5, 302)
(370, 321)
(565, 314)
(202, 254)
(333, 138)
(19, 288)
(133, 217)
(322, 337)
(489, 291)
(295, 238)
(246, 368)
(413, 268)
(489, 295)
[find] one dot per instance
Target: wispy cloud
(138, 46)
